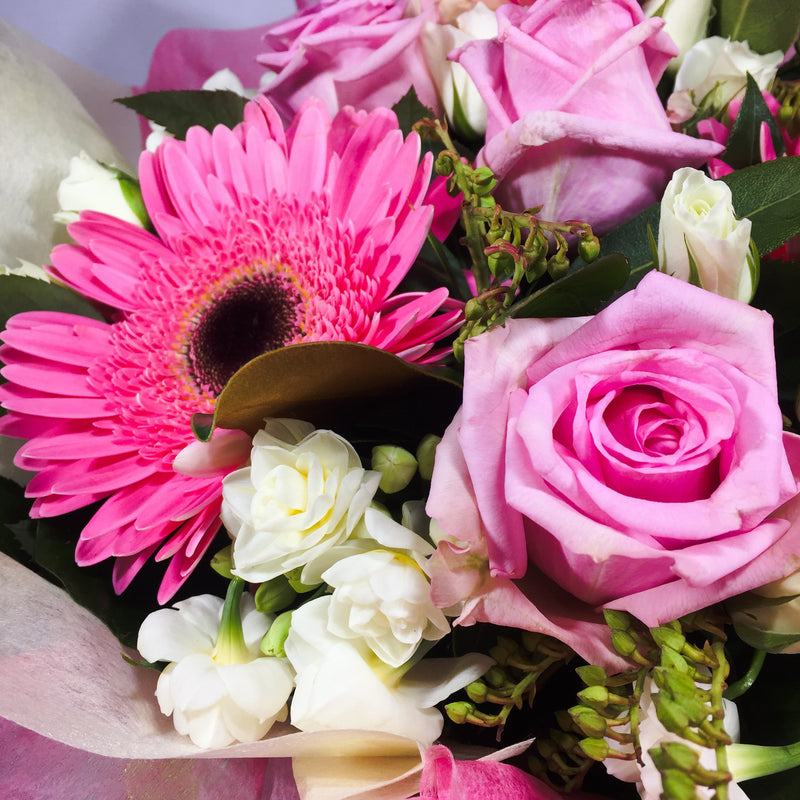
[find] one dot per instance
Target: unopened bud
(589, 248)
(623, 643)
(396, 465)
(668, 637)
(477, 691)
(592, 675)
(444, 165)
(596, 749)
(680, 756)
(274, 595)
(590, 722)
(459, 711)
(274, 638)
(596, 697)
(222, 562)
(677, 785)
(558, 265)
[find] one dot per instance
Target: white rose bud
(459, 96)
(686, 21)
(92, 186)
(701, 241)
(714, 72)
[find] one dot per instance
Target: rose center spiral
(249, 318)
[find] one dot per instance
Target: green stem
(748, 761)
(231, 648)
(738, 688)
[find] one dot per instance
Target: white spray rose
(714, 72)
(698, 229)
(383, 596)
(686, 21)
(92, 186)
(459, 95)
(216, 694)
(340, 684)
(303, 493)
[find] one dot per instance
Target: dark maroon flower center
(250, 318)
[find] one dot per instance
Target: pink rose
(348, 52)
(633, 460)
(574, 121)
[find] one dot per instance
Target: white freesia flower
(698, 229)
(653, 734)
(383, 596)
(218, 691)
(454, 86)
(686, 21)
(303, 493)
(714, 72)
(92, 186)
(340, 684)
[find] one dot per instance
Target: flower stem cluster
(509, 251)
(512, 682)
(787, 93)
(687, 694)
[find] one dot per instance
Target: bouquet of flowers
(421, 409)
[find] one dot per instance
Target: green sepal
(178, 111)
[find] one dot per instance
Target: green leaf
(769, 195)
(579, 293)
(766, 25)
(410, 110)
(178, 111)
(19, 293)
(769, 641)
(361, 392)
(779, 294)
(743, 144)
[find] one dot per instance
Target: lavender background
(116, 37)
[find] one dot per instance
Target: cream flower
(218, 691)
(341, 685)
(303, 493)
(383, 596)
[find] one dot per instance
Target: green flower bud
(589, 248)
(617, 620)
(477, 691)
(274, 638)
(222, 562)
(623, 643)
(295, 581)
(592, 675)
(274, 595)
(396, 465)
(596, 697)
(459, 711)
(680, 756)
(426, 452)
(590, 722)
(500, 262)
(667, 637)
(596, 749)
(444, 165)
(558, 264)
(671, 714)
(677, 785)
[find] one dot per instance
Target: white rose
(383, 596)
(698, 228)
(714, 72)
(303, 493)
(337, 687)
(92, 186)
(459, 95)
(686, 21)
(215, 695)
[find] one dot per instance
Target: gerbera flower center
(249, 318)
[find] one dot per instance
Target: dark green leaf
(18, 294)
(360, 392)
(409, 111)
(769, 195)
(579, 293)
(779, 294)
(766, 25)
(743, 144)
(178, 111)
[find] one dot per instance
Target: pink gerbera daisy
(264, 238)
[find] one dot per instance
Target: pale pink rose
(634, 460)
(349, 52)
(574, 121)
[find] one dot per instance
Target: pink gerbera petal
(263, 238)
